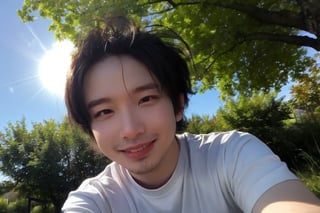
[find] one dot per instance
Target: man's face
(133, 121)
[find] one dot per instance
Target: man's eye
(102, 113)
(147, 99)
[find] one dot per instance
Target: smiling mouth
(139, 151)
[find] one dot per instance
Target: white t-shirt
(218, 172)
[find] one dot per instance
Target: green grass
(312, 180)
(310, 175)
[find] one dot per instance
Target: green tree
(261, 115)
(47, 161)
(237, 45)
(306, 93)
(3, 205)
(201, 124)
(17, 206)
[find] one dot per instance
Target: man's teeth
(138, 149)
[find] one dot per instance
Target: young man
(127, 89)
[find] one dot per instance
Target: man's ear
(180, 111)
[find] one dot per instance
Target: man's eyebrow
(96, 102)
(149, 86)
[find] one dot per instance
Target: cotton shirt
(218, 172)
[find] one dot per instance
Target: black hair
(121, 37)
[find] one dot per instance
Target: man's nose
(132, 125)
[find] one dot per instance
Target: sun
(54, 65)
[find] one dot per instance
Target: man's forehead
(121, 72)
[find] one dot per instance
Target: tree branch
(283, 18)
(290, 39)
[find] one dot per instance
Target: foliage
(306, 93)
(41, 209)
(261, 115)
(237, 45)
(20, 205)
(305, 132)
(3, 205)
(47, 161)
(310, 174)
(197, 124)
(6, 186)
(304, 140)
(17, 206)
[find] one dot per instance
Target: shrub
(311, 173)
(18, 206)
(41, 209)
(3, 205)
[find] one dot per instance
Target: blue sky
(21, 91)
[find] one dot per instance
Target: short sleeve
(252, 168)
(81, 202)
(88, 198)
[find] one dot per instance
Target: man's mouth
(139, 151)
(133, 150)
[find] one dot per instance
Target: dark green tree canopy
(260, 114)
(238, 46)
(48, 161)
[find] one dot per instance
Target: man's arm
(289, 196)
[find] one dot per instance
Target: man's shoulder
(97, 194)
(216, 146)
(105, 177)
(216, 138)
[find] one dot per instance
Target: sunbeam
(36, 37)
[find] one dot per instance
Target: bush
(311, 173)
(36, 209)
(18, 206)
(3, 205)
(41, 209)
(299, 145)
